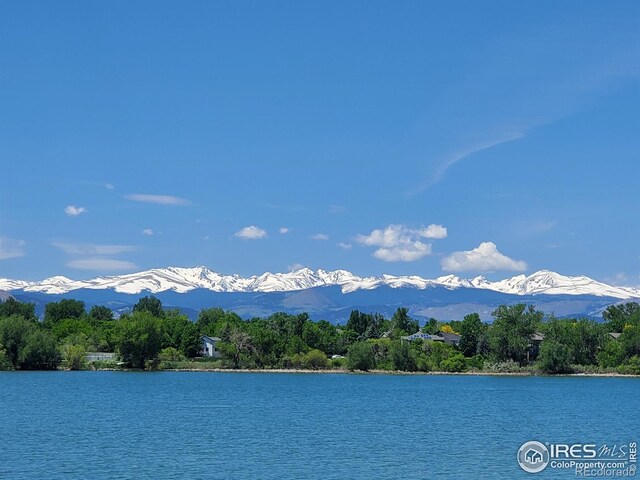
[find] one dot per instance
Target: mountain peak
(181, 280)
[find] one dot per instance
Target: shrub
(315, 359)
(454, 363)
(503, 367)
(170, 354)
(611, 355)
(554, 357)
(360, 357)
(402, 357)
(74, 356)
(632, 367)
(338, 362)
(475, 363)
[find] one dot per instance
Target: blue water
(113, 425)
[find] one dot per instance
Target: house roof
(423, 336)
(615, 335)
(213, 339)
(450, 336)
(537, 337)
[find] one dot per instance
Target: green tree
(237, 346)
(360, 357)
(583, 338)
(618, 316)
(431, 327)
(472, 329)
(630, 341)
(11, 306)
(436, 354)
(403, 357)
(14, 331)
(554, 357)
(55, 312)
(611, 355)
(511, 332)
(101, 313)
(138, 339)
(40, 352)
(365, 325)
(181, 333)
(402, 324)
(151, 305)
(71, 327)
(208, 318)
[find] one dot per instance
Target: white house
(423, 336)
(210, 346)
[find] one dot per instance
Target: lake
(123, 425)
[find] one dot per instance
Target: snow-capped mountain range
(182, 280)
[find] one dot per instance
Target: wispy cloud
(295, 266)
(484, 258)
(158, 199)
(451, 159)
(99, 257)
(101, 264)
(284, 230)
(336, 209)
(109, 186)
(148, 232)
(497, 100)
(344, 245)
(73, 211)
(398, 243)
(11, 248)
(289, 208)
(319, 236)
(251, 233)
(534, 227)
(93, 249)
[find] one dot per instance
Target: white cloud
(158, 199)
(251, 233)
(295, 266)
(345, 246)
(11, 248)
(484, 258)
(398, 243)
(108, 264)
(434, 231)
(404, 253)
(74, 211)
(92, 249)
(284, 230)
(109, 186)
(319, 236)
(147, 231)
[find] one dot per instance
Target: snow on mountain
(182, 280)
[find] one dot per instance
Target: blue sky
(421, 138)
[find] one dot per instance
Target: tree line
(520, 338)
